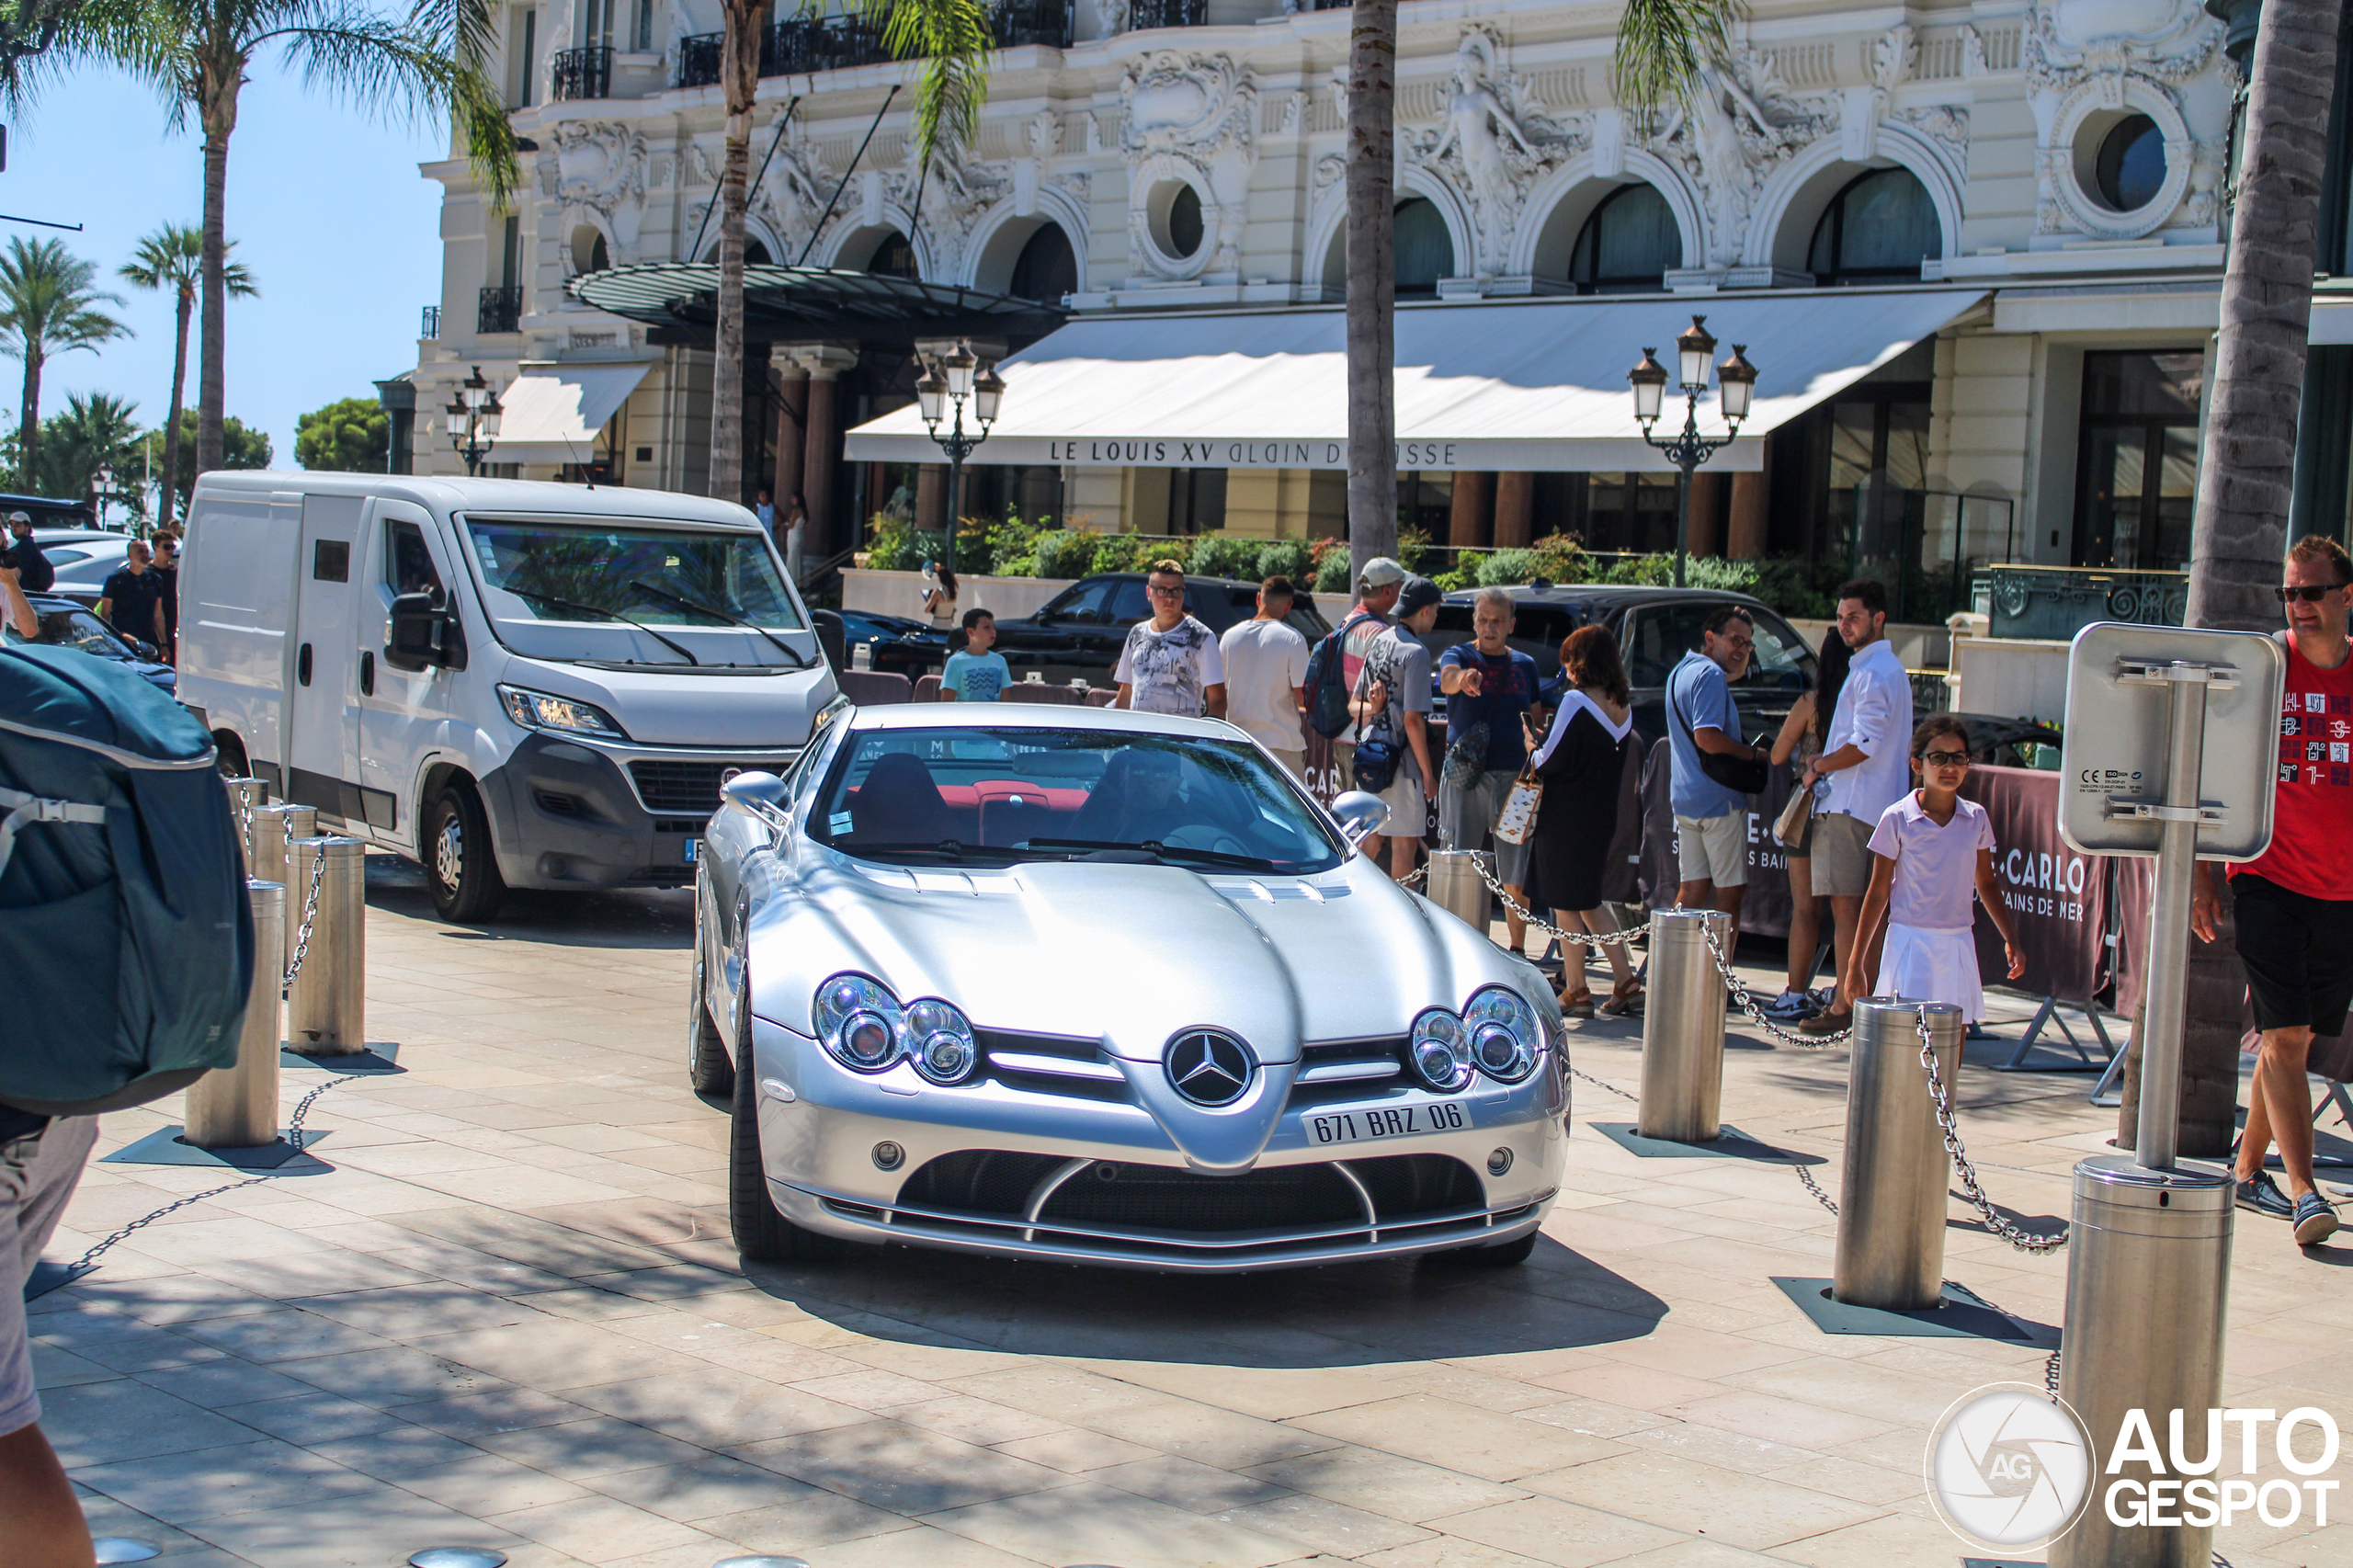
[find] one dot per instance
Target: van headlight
(1505, 1039)
(866, 1028)
(1440, 1050)
(563, 715)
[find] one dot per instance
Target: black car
(896, 643)
(66, 624)
(1081, 630)
(1654, 628)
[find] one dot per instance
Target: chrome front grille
(1343, 1069)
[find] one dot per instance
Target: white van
(516, 684)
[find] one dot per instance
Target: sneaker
(1791, 1005)
(2260, 1193)
(1822, 997)
(2315, 1221)
(1828, 1023)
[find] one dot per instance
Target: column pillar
(931, 498)
(1707, 501)
(821, 446)
(791, 434)
(1466, 523)
(1749, 512)
(1515, 509)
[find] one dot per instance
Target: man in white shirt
(1171, 663)
(1866, 761)
(1266, 676)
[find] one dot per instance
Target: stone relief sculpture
(945, 197)
(1493, 143)
(1110, 18)
(2161, 58)
(1194, 119)
(603, 167)
(1742, 123)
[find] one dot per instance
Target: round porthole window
(1181, 228)
(2130, 167)
(589, 253)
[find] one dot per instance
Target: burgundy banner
(2057, 898)
(1765, 908)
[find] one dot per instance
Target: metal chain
(1581, 1073)
(310, 914)
(89, 1259)
(1747, 1003)
(1531, 918)
(2025, 1241)
(1418, 875)
(1814, 1186)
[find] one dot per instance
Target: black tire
(460, 866)
(709, 1070)
(762, 1234)
(229, 753)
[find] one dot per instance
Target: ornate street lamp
(473, 421)
(941, 394)
(1687, 449)
(102, 488)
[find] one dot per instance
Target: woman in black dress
(1583, 763)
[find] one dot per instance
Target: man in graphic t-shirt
(1489, 685)
(2294, 903)
(1171, 663)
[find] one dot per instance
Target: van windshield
(604, 572)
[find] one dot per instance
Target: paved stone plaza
(503, 1309)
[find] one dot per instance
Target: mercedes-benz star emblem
(1210, 1069)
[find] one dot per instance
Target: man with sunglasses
(2294, 904)
(1171, 663)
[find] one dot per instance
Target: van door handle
(302, 665)
(367, 674)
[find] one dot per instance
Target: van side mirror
(424, 635)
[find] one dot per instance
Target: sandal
(1577, 1003)
(1625, 1000)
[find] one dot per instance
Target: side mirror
(757, 795)
(1359, 814)
(425, 635)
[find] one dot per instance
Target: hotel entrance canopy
(1533, 386)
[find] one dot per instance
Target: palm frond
(954, 39)
(466, 30)
(1663, 45)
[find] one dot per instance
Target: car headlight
(939, 1040)
(865, 1029)
(538, 710)
(1505, 1039)
(1440, 1051)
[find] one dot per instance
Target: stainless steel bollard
(236, 1108)
(1683, 1029)
(1454, 885)
(276, 826)
(246, 796)
(1890, 1250)
(2148, 1284)
(326, 1004)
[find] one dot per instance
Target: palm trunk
(1372, 283)
(28, 426)
(211, 376)
(187, 305)
(2247, 469)
(740, 74)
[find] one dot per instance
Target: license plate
(692, 845)
(1399, 1121)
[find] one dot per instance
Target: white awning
(554, 414)
(1533, 386)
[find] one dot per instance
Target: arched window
(754, 252)
(1046, 271)
(1626, 245)
(1880, 229)
(892, 257)
(1425, 250)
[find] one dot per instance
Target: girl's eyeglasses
(1945, 758)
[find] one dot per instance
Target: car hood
(671, 707)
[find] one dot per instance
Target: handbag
(1376, 763)
(1517, 821)
(1790, 827)
(1742, 775)
(1466, 755)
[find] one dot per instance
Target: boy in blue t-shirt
(975, 674)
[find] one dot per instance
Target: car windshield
(74, 628)
(577, 572)
(990, 796)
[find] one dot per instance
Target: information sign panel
(2113, 756)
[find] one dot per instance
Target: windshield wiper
(946, 849)
(609, 614)
(1161, 851)
(799, 659)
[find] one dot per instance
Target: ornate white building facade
(2054, 171)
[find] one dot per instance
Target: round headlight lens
(944, 1058)
(868, 1042)
(940, 1041)
(1440, 1052)
(1505, 1039)
(858, 1022)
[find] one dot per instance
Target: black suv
(1654, 628)
(1081, 630)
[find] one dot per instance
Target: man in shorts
(1866, 758)
(1377, 590)
(2294, 903)
(40, 1160)
(1710, 820)
(1393, 703)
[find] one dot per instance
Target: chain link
(2025, 1241)
(89, 1259)
(1747, 1002)
(1814, 1186)
(1530, 916)
(310, 913)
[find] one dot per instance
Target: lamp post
(957, 377)
(1689, 448)
(102, 486)
(473, 421)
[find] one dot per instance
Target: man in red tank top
(2295, 903)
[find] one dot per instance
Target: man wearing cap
(34, 573)
(1391, 702)
(1377, 588)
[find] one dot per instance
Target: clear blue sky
(326, 206)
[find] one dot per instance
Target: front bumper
(1008, 1169)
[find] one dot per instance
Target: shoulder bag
(1743, 775)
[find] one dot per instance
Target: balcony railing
(501, 309)
(2056, 602)
(582, 73)
(431, 324)
(803, 44)
(1143, 14)
(1048, 22)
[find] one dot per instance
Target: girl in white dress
(1931, 851)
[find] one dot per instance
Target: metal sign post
(2172, 737)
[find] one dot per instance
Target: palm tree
(49, 301)
(1372, 283)
(95, 432)
(951, 37)
(197, 53)
(173, 257)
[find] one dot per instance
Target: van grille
(677, 789)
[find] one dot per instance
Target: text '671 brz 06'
(1103, 987)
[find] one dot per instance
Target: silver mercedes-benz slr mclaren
(1102, 987)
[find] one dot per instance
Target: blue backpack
(125, 931)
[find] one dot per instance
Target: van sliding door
(322, 753)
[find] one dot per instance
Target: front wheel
(762, 1233)
(458, 865)
(708, 1071)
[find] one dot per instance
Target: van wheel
(762, 1234)
(230, 753)
(458, 865)
(708, 1071)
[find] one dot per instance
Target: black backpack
(125, 930)
(1327, 680)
